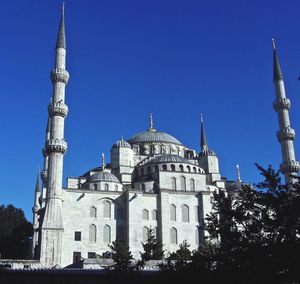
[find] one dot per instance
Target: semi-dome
(103, 176)
(153, 136)
(121, 144)
(168, 159)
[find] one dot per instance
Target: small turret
(207, 158)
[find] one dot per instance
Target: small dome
(153, 136)
(168, 159)
(121, 144)
(103, 176)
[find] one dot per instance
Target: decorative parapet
(281, 104)
(59, 109)
(59, 75)
(56, 145)
(286, 134)
(290, 167)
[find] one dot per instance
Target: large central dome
(153, 136)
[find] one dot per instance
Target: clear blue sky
(176, 59)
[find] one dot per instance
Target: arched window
(173, 236)
(192, 184)
(106, 234)
(156, 168)
(154, 214)
(173, 212)
(188, 168)
(106, 187)
(164, 167)
(183, 183)
(181, 168)
(148, 171)
(106, 209)
(92, 233)
(173, 181)
(95, 186)
(93, 212)
(194, 169)
(145, 214)
(173, 168)
(145, 234)
(185, 213)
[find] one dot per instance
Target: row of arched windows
(183, 186)
(106, 187)
(180, 168)
(106, 211)
(106, 237)
(145, 214)
(174, 237)
(185, 213)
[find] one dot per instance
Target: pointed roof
(277, 73)
(37, 185)
(203, 136)
(205, 151)
(61, 37)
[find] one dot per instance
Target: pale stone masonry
(152, 181)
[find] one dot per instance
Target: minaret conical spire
(277, 73)
(203, 135)
(37, 185)
(61, 36)
(238, 173)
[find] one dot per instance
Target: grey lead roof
(103, 176)
(153, 136)
(277, 73)
(61, 37)
(121, 144)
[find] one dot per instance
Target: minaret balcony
(56, 145)
(58, 109)
(281, 104)
(286, 134)
(290, 167)
(59, 75)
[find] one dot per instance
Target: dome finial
(238, 173)
(151, 128)
(103, 162)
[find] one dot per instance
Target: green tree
(257, 231)
(15, 233)
(152, 248)
(121, 256)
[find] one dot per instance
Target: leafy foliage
(121, 256)
(15, 233)
(152, 249)
(257, 231)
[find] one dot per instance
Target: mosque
(152, 181)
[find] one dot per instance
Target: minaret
(203, 142)
(286, 134)
(44, 173)
(35, 211)
(56, 146)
